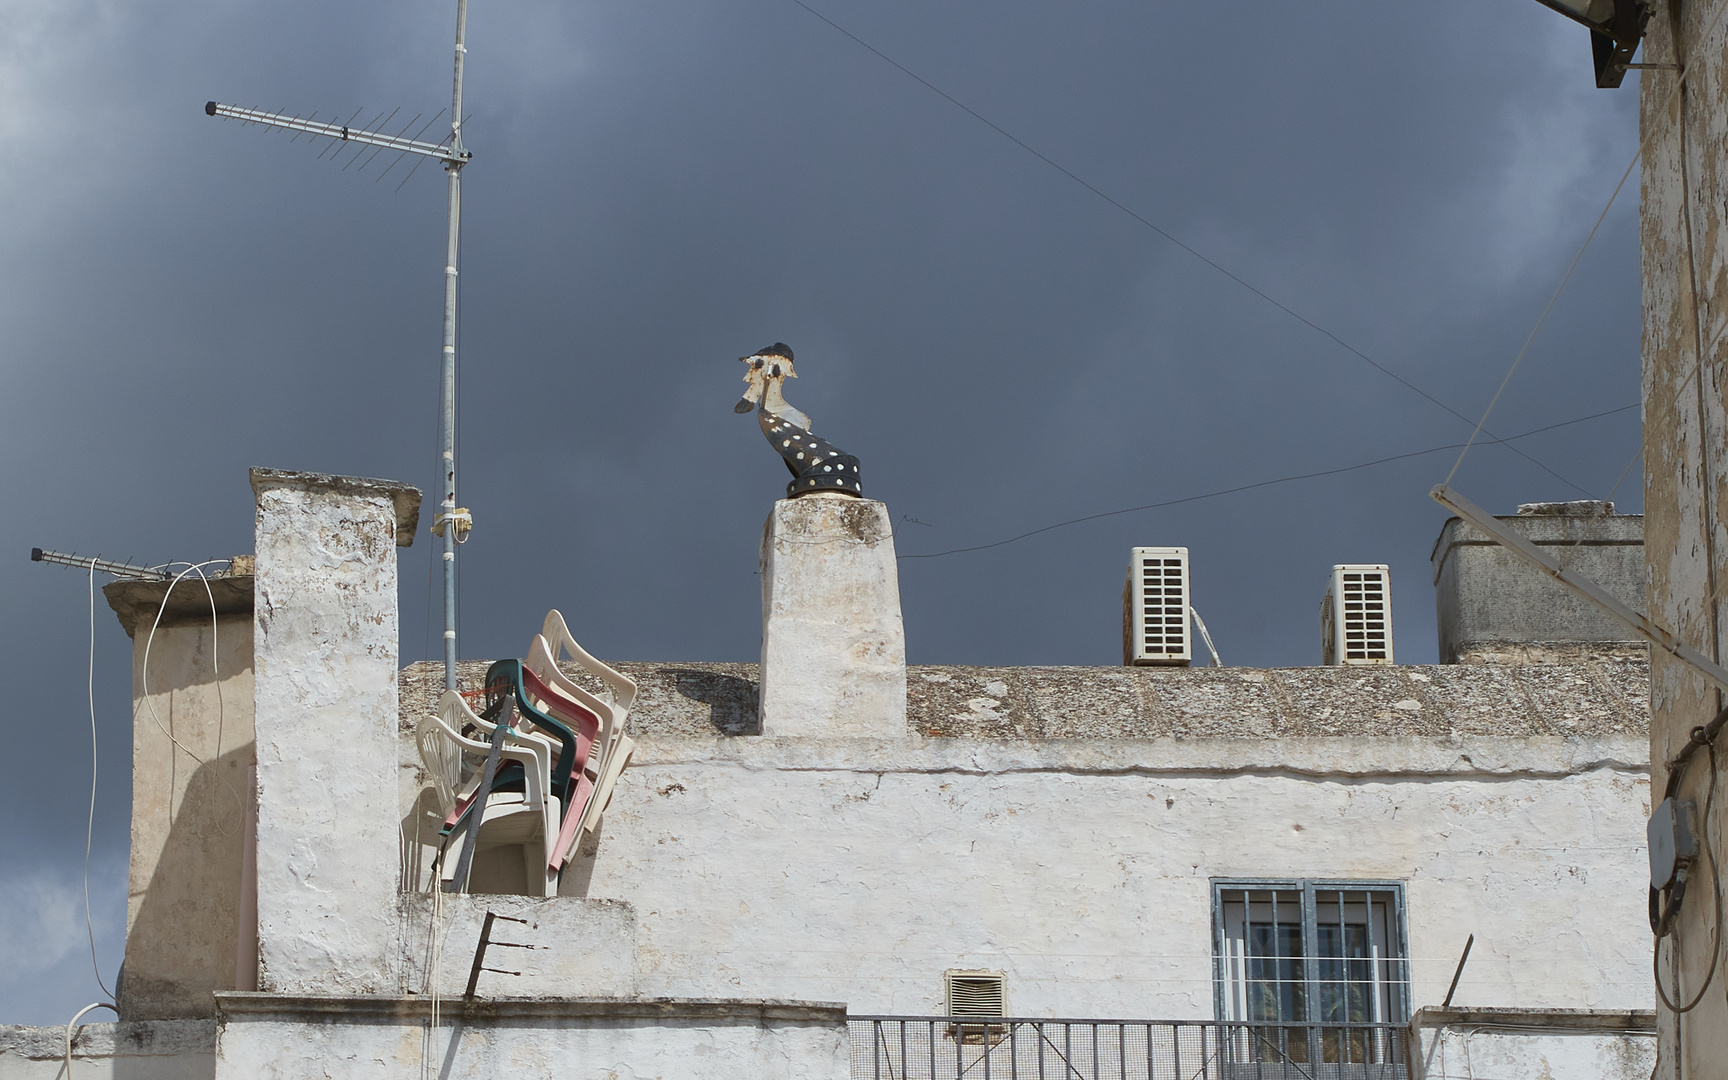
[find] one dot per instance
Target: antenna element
(452, 523)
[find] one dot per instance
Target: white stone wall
(578, 1041)
(860, 870)
(146, 1050)
(1474, 1052)
(325, 717)
(189, 804)
(833, 645)
(1683, 191)
(581, 948)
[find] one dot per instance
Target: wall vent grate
(1155, 615)
(1356, 615)
(976, 993)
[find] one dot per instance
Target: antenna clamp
(460, 520)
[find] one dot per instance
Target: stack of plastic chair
(613, 746)
(559, 760)
(521, 808)
(576, 727)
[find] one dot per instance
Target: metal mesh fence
(948, 1048)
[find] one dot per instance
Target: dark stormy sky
(661, 186)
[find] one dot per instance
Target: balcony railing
(1015, 1048)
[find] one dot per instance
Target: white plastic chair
(555, 638)
(528, 818)
(621, 686)
(603, 765)
(616, 746)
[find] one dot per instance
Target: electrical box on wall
(1155, 607)
(1356, 615)
(1672, 844)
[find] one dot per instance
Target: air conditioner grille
(1356, 616)
(976, 994)
(1155, 607)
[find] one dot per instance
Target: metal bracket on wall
(486, 942)
(1520, 545)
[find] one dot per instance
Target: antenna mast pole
(451, 524)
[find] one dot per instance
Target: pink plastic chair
(616, 746)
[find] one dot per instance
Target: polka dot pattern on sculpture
(815, 465)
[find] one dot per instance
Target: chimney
(1493, 608)
(191, 799)
(833, 646)
(325, 715)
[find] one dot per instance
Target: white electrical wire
(90, 697)
(73, 1022)
(90, 822)
(215, 671)
(1206, 637)
(435, 951)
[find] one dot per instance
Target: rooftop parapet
(1604, 694)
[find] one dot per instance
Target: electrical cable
(1715, 883)
(79, 1015)
(1259, 484)
(1643, 144)
(215, 671)
(90, 822)
(1543, 318)
(1148, 223)
(1703, 737)
(435, 965)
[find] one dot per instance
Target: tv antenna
(124, 570)
(452, 523)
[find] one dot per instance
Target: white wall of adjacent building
(862, 870)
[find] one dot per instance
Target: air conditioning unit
(1356, 616)
(1155, 607)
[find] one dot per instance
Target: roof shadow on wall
(732, 702)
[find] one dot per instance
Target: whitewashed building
(1157, 871)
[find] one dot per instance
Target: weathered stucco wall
(1605, 692)
(1685, 285)
(1511, 799)
(325, 692)
(144, 1050)
(833, 644)
(189, 804)
(1485, 595)
(578, 948)
(1471, 1044)
(265, 1037)
(861, 870)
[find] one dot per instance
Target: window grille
(1310, 954)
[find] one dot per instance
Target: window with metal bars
(1310, 952)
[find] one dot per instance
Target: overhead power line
(1685, 71)
(1261, 484)
(1148, 223)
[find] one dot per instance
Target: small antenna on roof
(451, 524)
(107, 566)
